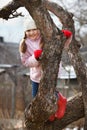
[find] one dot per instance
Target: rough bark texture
(45, 102)
(76, 60)
(73, 113)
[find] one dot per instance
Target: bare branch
(74, 111)
(7, 10)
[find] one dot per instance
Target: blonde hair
(23, 46)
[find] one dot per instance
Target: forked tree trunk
(45, 102)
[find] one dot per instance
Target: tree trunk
(73, 113)
(76, 60)
(45, 102)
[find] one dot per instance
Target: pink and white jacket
(29, 60)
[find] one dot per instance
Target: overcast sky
(12, 30)
(3, 2)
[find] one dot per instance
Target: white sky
(4, 2)
(12, 30)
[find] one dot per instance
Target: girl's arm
(28, 61)
(26, 58)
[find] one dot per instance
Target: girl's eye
(28, 31)
(31, 30)
(34, 29)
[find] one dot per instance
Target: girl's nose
(31, 31)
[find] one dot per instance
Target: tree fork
(49, 28)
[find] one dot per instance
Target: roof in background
(9, 54)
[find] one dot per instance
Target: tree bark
(45, 102)
(73, 113)
(75, 57)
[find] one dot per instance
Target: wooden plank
(2, 71)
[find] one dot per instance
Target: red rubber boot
(62, 101)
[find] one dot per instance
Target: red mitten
(37, 53)
(67, 33)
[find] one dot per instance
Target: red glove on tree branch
(37, 54)
(67, 33)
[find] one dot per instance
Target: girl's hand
(37, 53)
(67, 33)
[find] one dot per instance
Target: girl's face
(33, 34)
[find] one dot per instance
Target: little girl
(30, 51)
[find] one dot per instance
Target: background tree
(45, 103)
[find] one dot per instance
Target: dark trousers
(34, 88)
